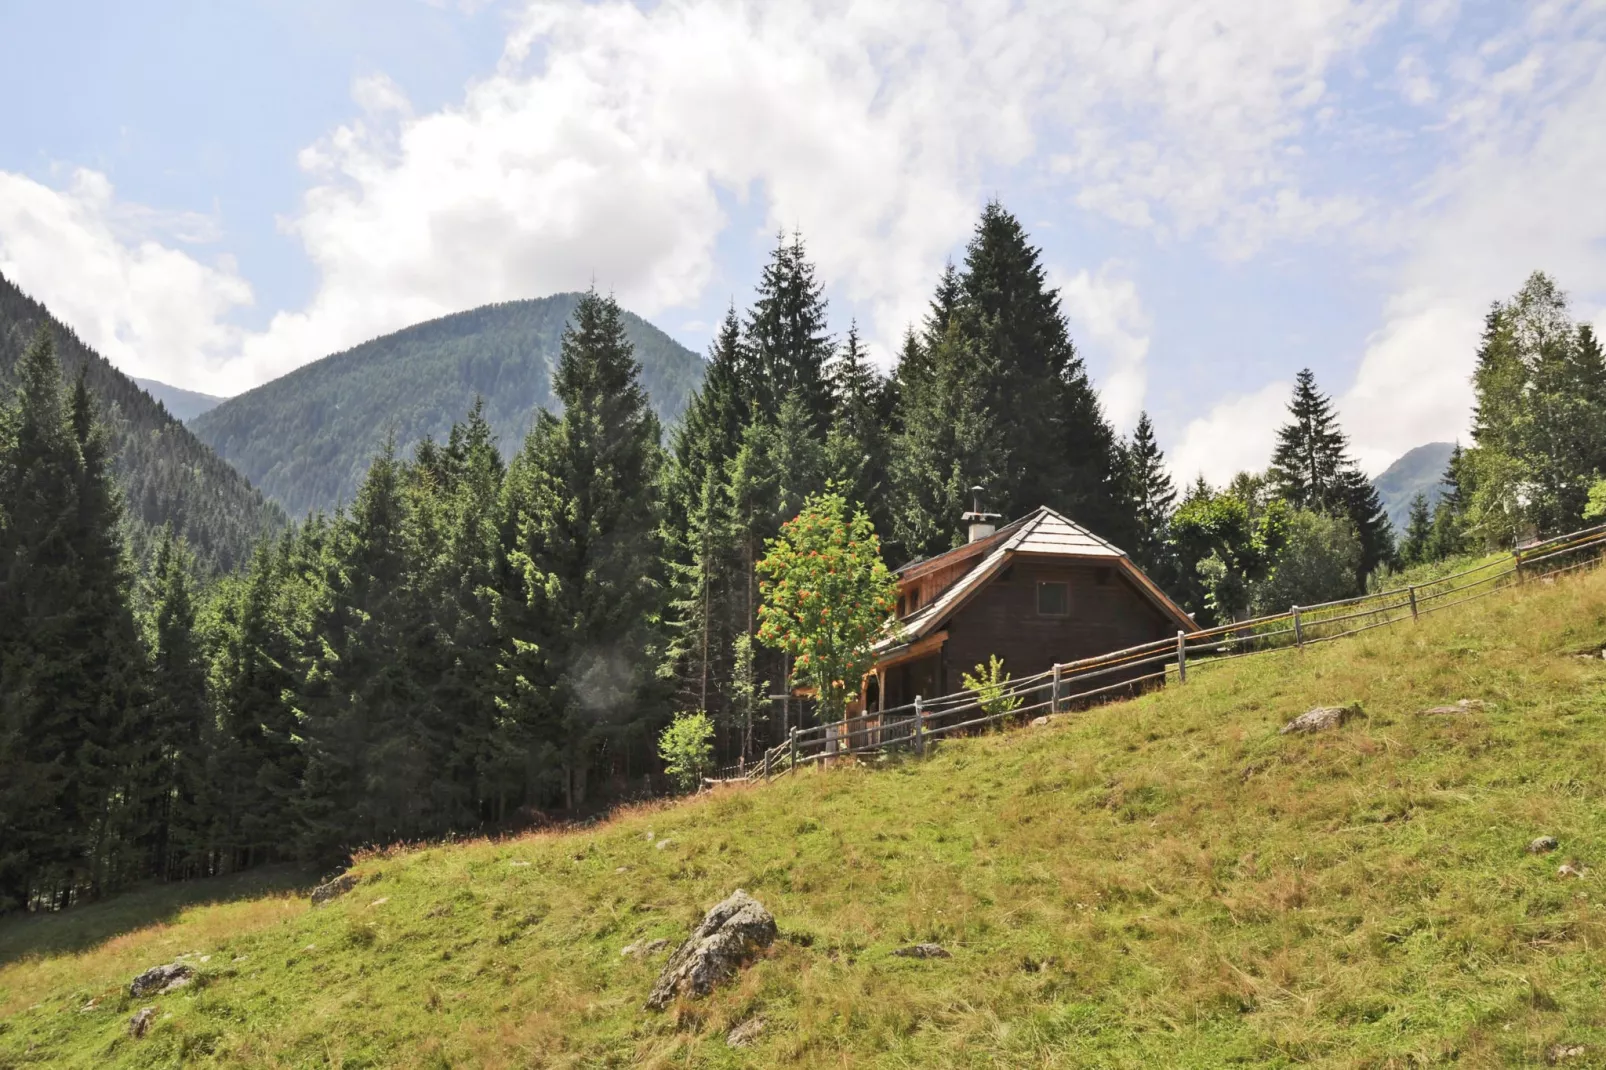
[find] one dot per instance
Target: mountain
(167, 474)
(1419, 471)
(185, 404)
(307, 438)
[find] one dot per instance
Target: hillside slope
(167, 474)
(184, 404)
(1418, 471)
(306, 439)
(1164, 882)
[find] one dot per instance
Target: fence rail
(1123, 673)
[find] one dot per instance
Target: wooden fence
(1123, 673)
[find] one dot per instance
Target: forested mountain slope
(1418, 471)
(1160, 882)
(306, 438)
(167, 474)
(185, 404)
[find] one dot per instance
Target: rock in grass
(1466, 705)
(161, 979)
(1560, 1053)
(334, 889)
(1571, 869)
(1322, 718)
(745, 1033)
(731, 935)
(923, 951)
(141, 1021)
(1541, 844)
(643, 949)
(1038, 722)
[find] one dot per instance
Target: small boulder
(1541, 844)
(1038, 722)
(744, 1033)
(1466, 705)
(731, 934)
(1571, 869)
(643, 949)
(159, 980)
(1322, 718)
(923, 951)
(663, 843)
(141, 1021)
(334, 889)
(1560, 1053)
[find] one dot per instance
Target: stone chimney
(981, 524)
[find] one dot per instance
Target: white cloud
(1111, 330)
(98, 265)
(600, 147)
(1521, 195)
(1236, 435)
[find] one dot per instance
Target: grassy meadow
(1161, 882)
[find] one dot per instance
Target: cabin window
(1053, 599)
(900, 605)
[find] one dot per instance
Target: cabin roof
(1042, 532)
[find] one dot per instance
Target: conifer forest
(491, 635)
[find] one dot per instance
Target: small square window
(1053, 599)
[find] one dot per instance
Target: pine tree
(587, 543)
(178, 716)
(1151, 499)
(1417, 547)
(786, 336)
(1311, 469)
(856, 449)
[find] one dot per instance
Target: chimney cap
(976, 514)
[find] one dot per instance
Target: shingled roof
(1041, 532)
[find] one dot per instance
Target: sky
(1224, 192)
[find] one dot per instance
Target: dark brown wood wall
(1002, 619)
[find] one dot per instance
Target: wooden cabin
(1036, 592)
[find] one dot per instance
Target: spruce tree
(586, 546)
(1311, 469)
(786, 336)
(1150, 497)
(1417, 546)
(856, 449)
(179, 714)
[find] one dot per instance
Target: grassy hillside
(306, 438)
(166, 473)
(1419, 471)
(1165, 882)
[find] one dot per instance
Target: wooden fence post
(1411, 590)
(1182, 657)
(792, 738)
(1299, 632)
(920, 728)
(1054, 702)
(766, 766)
(1516, 555)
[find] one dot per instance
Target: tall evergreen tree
(179, 823)
(1417, 546)
(857, 447)
(1150, 497)
(786, 335)
(1051, 444)
(587, 545)
(1311, 469)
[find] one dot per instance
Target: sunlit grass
(1154, 883)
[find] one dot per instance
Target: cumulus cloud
(602, 145)
(1236, 435)
(1112, 331)
(1520, 194)
(108, 269)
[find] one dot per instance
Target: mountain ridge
(306, 438)
(165, 471)
(184, 404)
(1416, 471)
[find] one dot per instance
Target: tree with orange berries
(827, 597)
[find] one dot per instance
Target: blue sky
(1225, 192)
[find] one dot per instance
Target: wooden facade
(1040, 591)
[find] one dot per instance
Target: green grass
(1164, 882)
